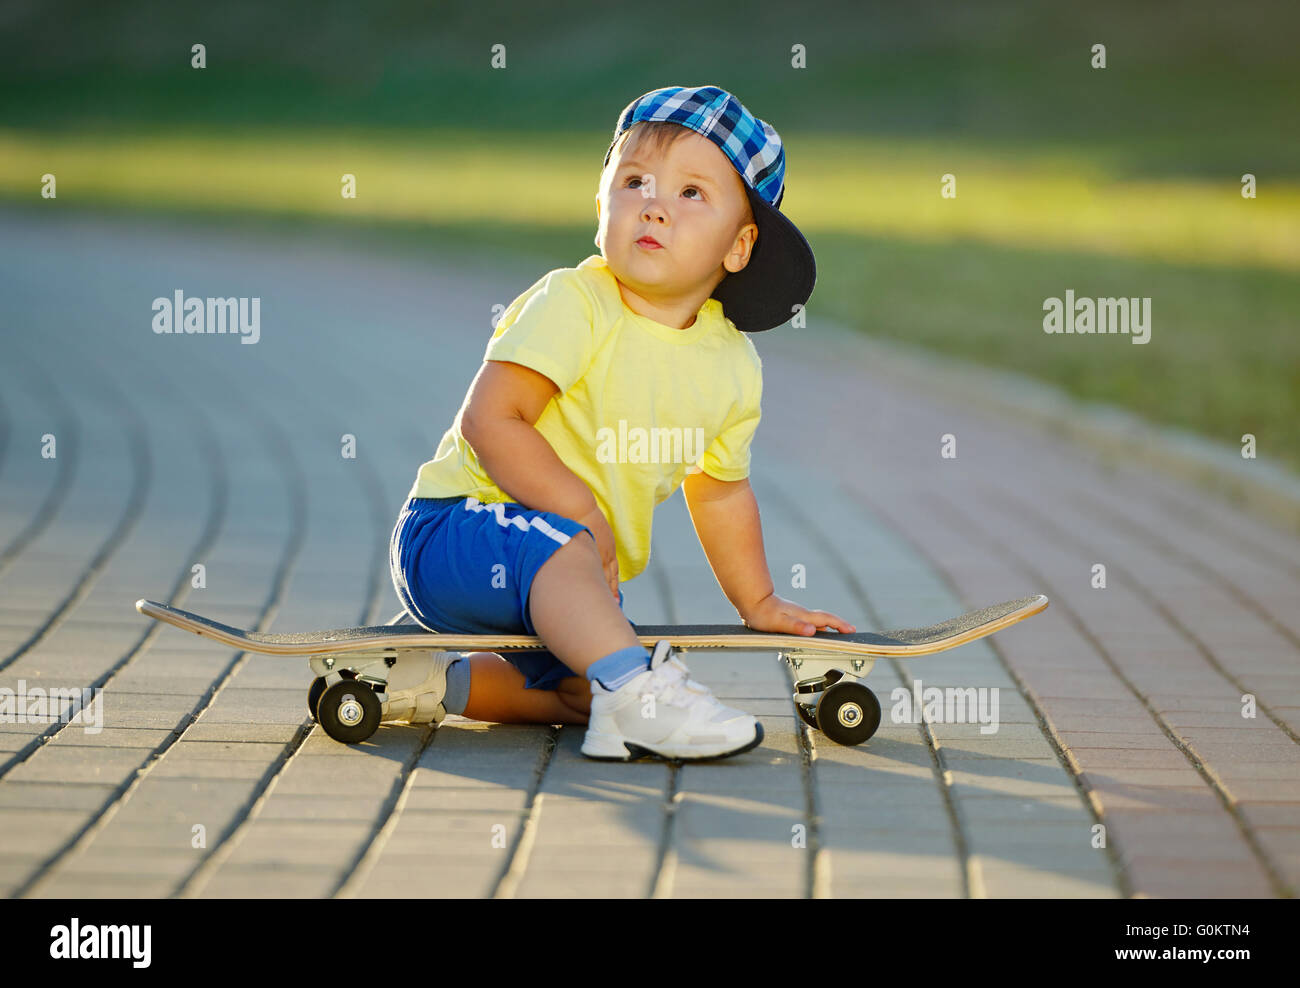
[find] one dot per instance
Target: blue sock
(619, 668)
(457, 687)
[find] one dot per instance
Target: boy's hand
(604, 535)
(777, 614)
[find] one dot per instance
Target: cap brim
(780, 274)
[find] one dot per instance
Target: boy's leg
(575, 693)
(570, 575)
(571, 607)
(497, 695)
(582, 624)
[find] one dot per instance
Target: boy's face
(691, 200)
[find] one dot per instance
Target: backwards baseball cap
(781, 271)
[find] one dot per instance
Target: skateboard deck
(939, 637)
(350, 696)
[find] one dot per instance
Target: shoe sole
(636, 751)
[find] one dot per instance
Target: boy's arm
(505, 400)
(725, 516)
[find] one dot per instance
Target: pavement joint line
(1161, 544)
(512, 871)
(1087, 795)
(67, 423)
(665, 865)
(1211, 778)
(296, 494)
(141, 477)
(180, 590)
(1139, 588)
(355, 876)
(665, 870)
(972, 883)
(972, 871)
(818, 872)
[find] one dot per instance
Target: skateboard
(349, 697)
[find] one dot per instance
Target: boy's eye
(634, 178)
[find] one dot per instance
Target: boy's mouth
(650, 243)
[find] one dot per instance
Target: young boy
(539, 499)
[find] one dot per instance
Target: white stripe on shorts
(498, 510)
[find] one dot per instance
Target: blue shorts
(462, 566)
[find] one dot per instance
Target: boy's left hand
(777, 614)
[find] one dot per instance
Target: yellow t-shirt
(640, 404)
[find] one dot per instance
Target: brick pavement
(1120, 709)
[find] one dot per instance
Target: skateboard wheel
(848, 713)
(314, 693)
(349, 711)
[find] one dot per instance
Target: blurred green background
(1123, 181)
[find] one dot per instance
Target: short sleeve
(549, 328)
(727, 457)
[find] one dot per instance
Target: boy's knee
(580, 548)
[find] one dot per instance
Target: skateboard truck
(830, 698)
(349, 696)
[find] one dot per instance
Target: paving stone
(879, 809)
(860, 872)
(79, 764)
(1095, 760)
(545, 882)
(249, 733)
(168, 834)
(961, 751)
(274, 850)
(492, 799)
(87, 885)
(38, 834)
(409, 878)
(1266, 814)
(133, 863)
(1000, 807)
(1005, 880)
(54, 795)
(113, 737)
(288, 806)
(270, 880)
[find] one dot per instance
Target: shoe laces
(672, 682)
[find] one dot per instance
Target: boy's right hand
(604, 535)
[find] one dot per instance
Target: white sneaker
(665, 714)
(417, 684)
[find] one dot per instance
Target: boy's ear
(747, 234)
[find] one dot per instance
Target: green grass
(1115, 182)
(845, 185)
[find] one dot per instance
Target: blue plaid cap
(751, 144)
(781, 271)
